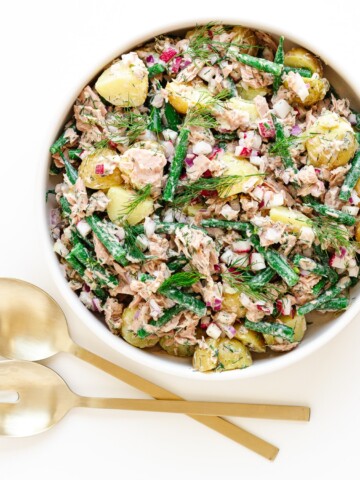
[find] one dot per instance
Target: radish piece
(213, 331)
(168, 54)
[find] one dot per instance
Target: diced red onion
(296, 130)
(207, 174)
(229, 330)
(100, 169)
(213, 331)
(150, 59)
(86, 287)
(175, 67)
(217, 267)
(352, 118)
(189, 161)
(96, 304)
(241, 246)
(83, 228)
(266, 128)
(168, 54)
(342, 252)
(209, 193)
(215, 151)
(55, 217)
(112, 144)
(243, 151)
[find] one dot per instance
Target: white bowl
(317, 335)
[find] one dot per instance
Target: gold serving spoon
(43, 399)
(33, 327)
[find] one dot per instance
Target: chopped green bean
(317, 288)
(274, 329)
(155, 120)
(351, 178)
(279, 58)
(188, 301)
(59, 143)
(340, 303)
(336, 215)
(260, 64)
(176, 165)
(165, 318)
(71, 172)
(102, 230)
(314, 267)
(304, 72)
(318, 302)
(74, 154)
(225, 224)
(178, 263)
(65, 207)
(156, 70)
(277, 262)
(172, 117)
(102, 276)
(262, 278)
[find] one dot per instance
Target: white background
(47, 50)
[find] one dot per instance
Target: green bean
(336, 215)
(77, 238)
(340, 303)
(187, 300)
(65, 207)
(71, 172)
(74, 154)
(172, 117)
(176, 165)
(317, 288)
(318, 302)
(279, 58)
(155, 70)
(262, 278)
(351, 178)
(177, 264)
(260, 64)
(80, 269)
(54, 170)
(286, 158)
(316, 268)
(155, 120)
(274, 329)
(165, 318)
(143, 277)
(324, 257)
(277, 262)
(304, 72)
(225, 224)
(107, 238)
(59, 143)
(102, 276)
(164, 227)
(226, 137)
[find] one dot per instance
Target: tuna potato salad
(208, 196)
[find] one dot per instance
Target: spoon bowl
(32, 325)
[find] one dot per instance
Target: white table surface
(46, 47)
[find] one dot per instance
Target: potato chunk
(100, 161)
(231, 303)
(245, 36)
(251, 93)
(300, 58)
(178, 350)
(206, 356)
(251, 339)
(298, 323)
(183, 96)
(125, 83)
(130, 336)
(294, 219)
(317, 89)
(331, 141)
(120, 198)
(241, 167)
(233, 354)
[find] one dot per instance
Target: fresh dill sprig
(181, 279)
(331, 234)
(133, 124)
(201, 114)
(202, 45)
(130, 244)
(281, 147)
(139, 197)
(102, 143)
(221, 184)
(237, 279)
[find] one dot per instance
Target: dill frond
(139, 197)
(181, 279)
(237, 279)
(101, 144)
(130, 244)
(133, 124)
(331, 234)
(201, 114)
(221, 184)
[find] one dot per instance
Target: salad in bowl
(208, 196)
